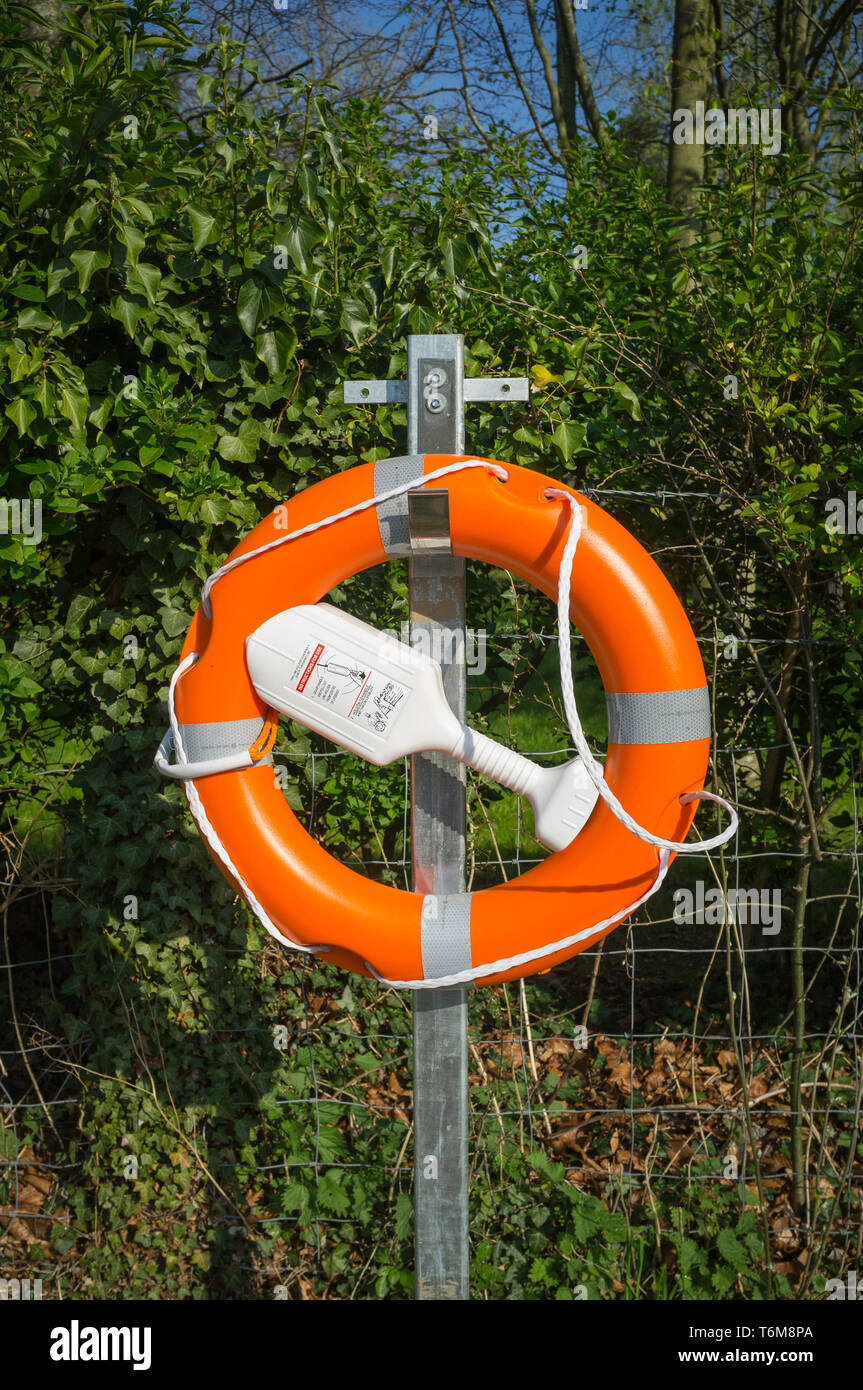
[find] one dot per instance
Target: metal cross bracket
(436, 392)
(476, 388)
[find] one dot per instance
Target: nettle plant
(186, 282)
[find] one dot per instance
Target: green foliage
(180, 308)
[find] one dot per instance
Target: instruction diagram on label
(348, 687)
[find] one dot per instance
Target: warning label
(347, 687)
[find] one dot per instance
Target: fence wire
(663, 1110)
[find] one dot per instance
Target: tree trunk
(812, 47)
(691, 81)
(550, 76)
(46, 30)
(793, 35)
(565, 78)
(565, 16)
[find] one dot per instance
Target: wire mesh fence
(691, 1085)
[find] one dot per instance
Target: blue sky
(604, 32)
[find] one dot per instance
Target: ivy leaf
(21, 413)
(128, 312)
(149, 277)
(202, 225)
(82, 219)
(241, 447)
(102, 413)
(58, 271)
(144, 211)
(275, 349)
(301, 238)
(226, 150)
(74, 405)
(87, 263)
(29, 292)
(354, 318)
(19, 363)
(308, 181)
(569, 437)
(44, 394)
(527, 435)
(205, 87)
(249, 307)
(133, 240)
(78, 610)
(255, 303)
(174, 621)
(214, 510)
(456, 257)
(34, 318)
(628, 399)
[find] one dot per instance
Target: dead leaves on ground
(28, 1211)
(687, 1116)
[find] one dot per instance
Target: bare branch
(472, 116)
(507, 48)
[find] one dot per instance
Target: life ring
(658, 710)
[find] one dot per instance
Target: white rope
(349, 511)
(594, 768)
(199, 816)
(182, 772)
(597, 776)
(478, 972)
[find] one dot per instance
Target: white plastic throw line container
(383, 700)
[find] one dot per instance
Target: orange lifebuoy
(659, 727)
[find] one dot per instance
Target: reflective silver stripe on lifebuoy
(659, 716)
(393, 514)
(204, 741)
(445, 934)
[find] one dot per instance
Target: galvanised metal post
(435, 392)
